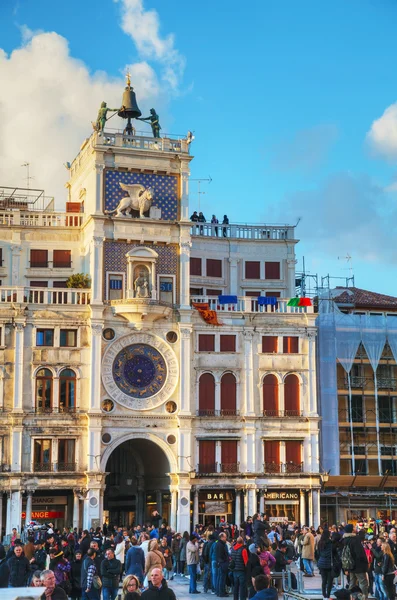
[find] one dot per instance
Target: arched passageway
(137, 483)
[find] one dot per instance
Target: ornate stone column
(249, 373)
(302, 508)
(159, 502)
(16, 510)
(98, 189)
(252, 503)
(101, 495)
(237, 509)
(246, 511)
(233, 276)
(261, 501)
(291, 277)
(312, 385)
(15, 264)
(310, 503)
(184, 190)
(16, 449)
(8, 512)
(184, 261)
(183, 515)
(185, 358)
(29, 501)
(76, 509)
(96, 261)
(18, 373)
(316, 508)
(95, 367)
(174, 504)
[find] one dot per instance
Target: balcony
(42, 410)
(230, 467)
(279, 414)
(362, 382)
(54, 296)
(218, 468)
(141, 141)
(223, 412)
(249, 304)
(282, 468)
(244, 231)
(66, 467)
(21, 218)
(207, 469)
(42, 467)
(59, 467)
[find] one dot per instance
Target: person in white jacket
(120, 550)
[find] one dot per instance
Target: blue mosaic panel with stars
(165, 188)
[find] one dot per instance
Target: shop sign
(215, 508)
(48, 500)
(284, 496)
(278, 520)
(216, 495)
(45, 514)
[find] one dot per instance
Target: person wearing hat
(39, 558)
(358, 574)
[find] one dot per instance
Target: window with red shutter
(35, 284)
(272, 270)
(62, 259)
(206, 395)
(290, 345)
(206, 342)
(207, 462)
(293, 456)
(229, 456)
(272, 456)
(291, 396)
(252, 269)
(59, 284)
(39, 258)
(228, 343)
(269, 344)
(195, 266)
(214, 268)
(270, 396)
(228, 394)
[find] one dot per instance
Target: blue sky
(287, 101)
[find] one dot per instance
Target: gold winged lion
(139, 198)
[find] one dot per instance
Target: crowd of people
(246, 561)
(200, 218)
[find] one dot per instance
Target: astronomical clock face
(139, 371)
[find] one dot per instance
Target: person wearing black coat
(388, 569)
(158, 588)
(110, 571)
(38, 562)
(19, 568)
(4, 568)
(75, 576)
(358, 576)
(325, 562)
(84, 542)
(260, 528)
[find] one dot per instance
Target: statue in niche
(141, 285)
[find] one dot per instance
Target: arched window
(67, 390)
(206, 395)
(228, 394)
(291, 396)
(270, 396)
(44, 390)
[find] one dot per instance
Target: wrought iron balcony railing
(282, 468)
(223, 412)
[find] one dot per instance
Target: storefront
(215, 505)
(281, 505)
(48, 509)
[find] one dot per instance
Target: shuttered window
(293, 453)
(228, 343)
(270, 396)
(228, 394)
(229, 452)
(35, 284)
(291, 396)
(207, 456)
(206, 342)
(214, 268)
(195, 266)
(252, 269)
(269, 344)
(272, 451)
(59, 284)
(62, 259)
(207, 394)
(290, 345)
(214, 292)
(39, 258)
(272, 270)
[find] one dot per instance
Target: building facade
(132, 394)
(358, 394)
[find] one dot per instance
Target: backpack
(348, 562)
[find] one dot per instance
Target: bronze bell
(129, 108)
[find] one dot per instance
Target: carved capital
(19, 327)
(185, 333)
(291, 262)
(99, 168)
(16, 250)
(98, 241)
(185, 246)
(96, 328)
(248, 335)
(234, 261)
(30, 492)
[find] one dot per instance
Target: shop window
(206, 395)
(228, 395)
(44, 390)
(67, 390)
(290, 344)
(207, 463)
(206, 342)
(229, 462)
(66, 455)
(272, 270)
(269, 344)
(291, 396)
(228, 343)
(62, 259)
(214, 268)
(270, 396)
(115, 286)
(44, 337)
(272, 456)
(293, 456)
(38, 258)
(68, 338)
(252, 269)
(195, 266)
(42, 455)
(166, 289)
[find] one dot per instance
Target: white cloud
(47, 102)
(143, 26)
(382, 137)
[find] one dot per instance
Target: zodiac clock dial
(139, 371)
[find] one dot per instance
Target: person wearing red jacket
(239, 559)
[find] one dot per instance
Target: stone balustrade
(141, 142)
(249, 304)
(14, 217)
(30, 295)
(243, 231)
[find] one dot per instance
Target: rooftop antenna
(349, 260)
(28, 177)
(199, 192)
